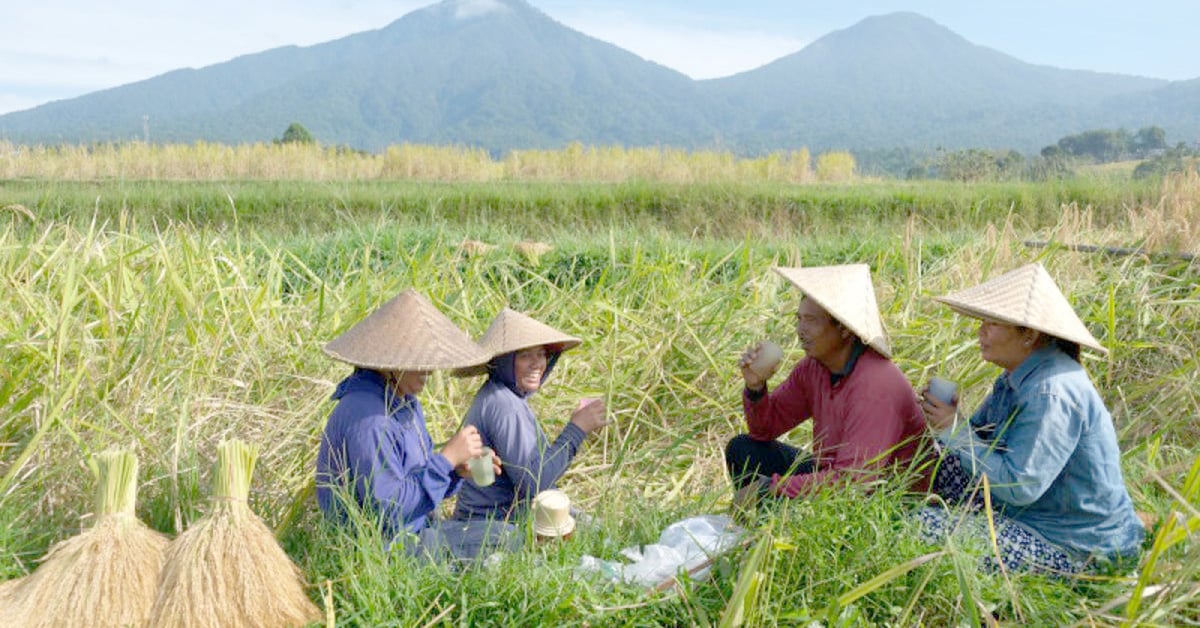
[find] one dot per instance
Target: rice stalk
(105, 576)
(227, 569)
(742, 603)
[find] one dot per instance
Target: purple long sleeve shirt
(531, 462)
(378, 444)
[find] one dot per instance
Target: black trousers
(746, 459)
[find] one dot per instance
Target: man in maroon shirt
(866, 419)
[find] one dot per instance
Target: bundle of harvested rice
(104, 576)
(12, 608)
(227, 569)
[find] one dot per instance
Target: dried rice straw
(104, 576)
(227, 569)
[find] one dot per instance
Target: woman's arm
(381, 480)
(531, 465)
(1038, 441)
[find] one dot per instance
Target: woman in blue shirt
(376, 453)
(1043, 437)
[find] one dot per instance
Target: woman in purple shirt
(1043, 438)
(376, 453)
(524, 353)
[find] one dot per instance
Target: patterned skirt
(1020, 548)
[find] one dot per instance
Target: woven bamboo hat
(406, 334)
(512, 331)
(1027, 297)
(847, 294)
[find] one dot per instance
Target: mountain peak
(502, 75)
(472, 9)
(467, 9)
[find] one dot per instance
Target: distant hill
(904, 80)
(502, 75)
(1177, 104)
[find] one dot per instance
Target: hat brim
(1025, 297)
(997, 318)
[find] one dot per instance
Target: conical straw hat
(406, 334)
(847, 294)
(1026, 297)
(512, 331)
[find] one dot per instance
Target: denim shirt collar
(1040, 356)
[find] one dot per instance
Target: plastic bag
(683, 545)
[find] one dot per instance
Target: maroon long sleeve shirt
(865, 422)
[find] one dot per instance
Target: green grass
(530, 210)
(197, 313)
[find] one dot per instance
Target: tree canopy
(296, 134)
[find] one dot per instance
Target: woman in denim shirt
(1043, 437)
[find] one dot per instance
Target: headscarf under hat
(846, 293)
(406, 334)
(1026, 297)
(513, 331)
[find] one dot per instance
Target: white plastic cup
(482, 471)
(769, 355)
(943, 389)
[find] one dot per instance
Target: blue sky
(55, 49)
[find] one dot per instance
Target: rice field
(168, 316)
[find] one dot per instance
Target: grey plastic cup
(943, 389)
(769, 356)
(482, 472)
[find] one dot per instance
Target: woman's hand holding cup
(463, 446)
(939, 401)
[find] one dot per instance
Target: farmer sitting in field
(524, 352)
(376, 449)
(1042, 438)
(864, 411)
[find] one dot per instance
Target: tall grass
(173, 335)
(203, 161)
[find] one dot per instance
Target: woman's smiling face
(529, 366)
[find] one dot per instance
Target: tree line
(1097, 146)
(1061, 159)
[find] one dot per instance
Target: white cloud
(700, 52)
(466, 9)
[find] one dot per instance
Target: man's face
(820, 336)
